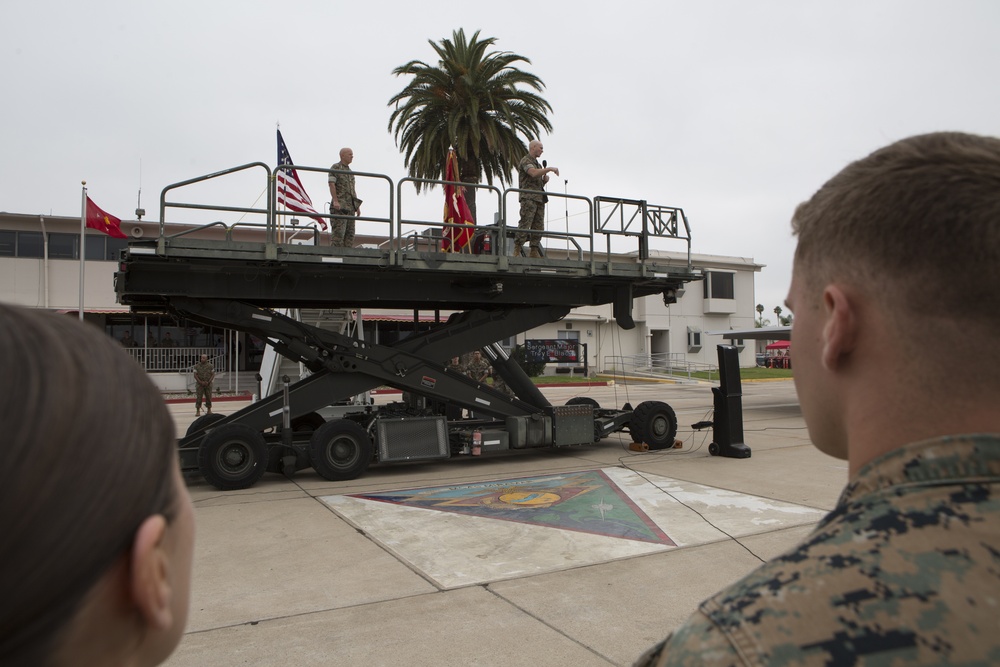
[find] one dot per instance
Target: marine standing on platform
(204, 374)
(344, 201)
(455, 366)
(478, 368)
(532, 176)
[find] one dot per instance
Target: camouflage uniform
(501, 386)
(904, 571)
(532, 203)
(204, 373)
(342, 229)
(478, 370)
(456, 368)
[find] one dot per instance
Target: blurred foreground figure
(97, 526)
(896, 294)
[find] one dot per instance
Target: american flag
(291, 194)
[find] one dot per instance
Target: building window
(694, 339)
(8, 243)
(63, 246)
(95, 246)
(115, 247)
(29, 244)
(719, 285)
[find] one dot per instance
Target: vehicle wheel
(584, 400)
(310, 421)
(203, 422)
(654, 423)
(713, 449)
(233, 456)
(340, 450)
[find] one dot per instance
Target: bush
(531, 368)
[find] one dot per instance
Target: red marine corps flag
(291, 194)
(103, 222)
(456, 210)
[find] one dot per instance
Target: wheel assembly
(340, 450)
(654, 423)
(233, 456)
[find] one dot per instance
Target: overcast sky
(733, 111)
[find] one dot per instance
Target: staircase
(274, 366)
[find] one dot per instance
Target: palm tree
(760, 315)
(474, 101)
(777, 312)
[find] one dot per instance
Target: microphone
(544, 164)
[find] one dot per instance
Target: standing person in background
(478, 368)
(455, 366)
(204, 375)
(532, 176)
(344, 201)
(98, 573)
(904, 570)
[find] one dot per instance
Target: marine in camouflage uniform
(478, 368)
(344, 201)
(531, 176)
(500, 385)
(204, 374)
(905, 570)
(456, 366)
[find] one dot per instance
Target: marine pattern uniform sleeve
(697, 643)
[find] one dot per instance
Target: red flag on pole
(291, 193)
(103, 222)
(456, 210)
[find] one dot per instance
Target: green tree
(474, 101)
(760, 315)
(777, 313)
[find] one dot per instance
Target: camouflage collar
(960, 459)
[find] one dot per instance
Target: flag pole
(83, 227)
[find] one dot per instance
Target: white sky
(734, 110)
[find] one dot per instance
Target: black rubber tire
(584, 400)
(310, 421)
(713, 449)
(203, 422)
(340, 450)
(233, 456)
(654, 423)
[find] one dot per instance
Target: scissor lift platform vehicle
(248, 282)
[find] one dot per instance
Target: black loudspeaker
(727, 426)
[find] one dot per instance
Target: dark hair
(88, 448)
(918, 221)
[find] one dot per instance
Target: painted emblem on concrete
(464, 534)
(588, 502)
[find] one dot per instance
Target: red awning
(778, 345)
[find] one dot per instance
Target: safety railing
(609, 216)
(661, 364)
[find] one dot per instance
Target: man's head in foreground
(896, 295)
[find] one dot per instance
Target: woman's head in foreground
(96, 521)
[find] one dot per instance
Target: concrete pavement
(405, 566)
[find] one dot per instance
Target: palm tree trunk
(469, 171)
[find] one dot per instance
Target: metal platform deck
(404, 272)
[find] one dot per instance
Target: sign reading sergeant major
(552, 350)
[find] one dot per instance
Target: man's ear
(150, 582)
(840, 331)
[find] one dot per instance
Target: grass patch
(564, 379)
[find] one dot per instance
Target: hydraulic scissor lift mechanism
(239, 284)
(234, 451)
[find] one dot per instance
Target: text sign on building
(552, 350)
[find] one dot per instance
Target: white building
(40, 268)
